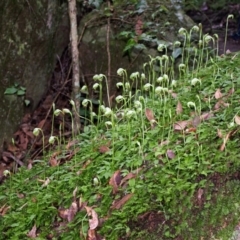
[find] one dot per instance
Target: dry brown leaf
(139, 27)
(92, 234)
(237, 120)
(149, 114)
(93, 221)
(219, 133)
(74, 193)
(45, 182)
(32, 232)
(199, 193)
(4, 209)
(115, 180)
(72, 211)
(162, 143)
(71, 143)
(225, 139)
(20, 195)
(179, 108)
(170, 154)
(121, 202)
(173, 94)
(127, 177)
(218, 94)
(63, 213)
(181, 125)
(104, 149)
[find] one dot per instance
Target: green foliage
(15, 89)
(169, 168)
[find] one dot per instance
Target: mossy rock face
(138, 29)
(32, 34)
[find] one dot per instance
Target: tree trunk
(72, 9)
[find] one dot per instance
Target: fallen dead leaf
(237, 120)
(118, 204)
(45, 182)
(72, 211)
(225, 139)
(181, 125)
(104, 149)
(170, 154)
(4, 209)
(32, 232)
(115, 180)
(179, 108)
(127, 177)
(149, 114)
(218, 94)
(219, 133)
(93, 221)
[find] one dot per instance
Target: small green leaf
(10, 91)
(20, 92)
(27, 102)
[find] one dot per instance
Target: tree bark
(72, 10)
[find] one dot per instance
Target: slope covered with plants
(162, 164)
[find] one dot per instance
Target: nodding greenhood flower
(200, 43)
(207, 38)
(191, 104)
(119, 84)
(174, 83)
(127, 86)
(134, 75)
(181, 66)
(6, 173)
(159, 80)
(182, 31)
(177, 44)
(93, 114)
(120, 71)
(119, 98)
(84, 88)
(130, 113)
(161, 47)
(36, 131)
(195, 81)
(137, 104)
(143, 77)
(85, 102)
(72, 103)
(215, 35)
(98, 77)
(147, 86)
(102, 108)
(57, 112)
(107, 112)
(66, 110)
(108, 124)
(95, 86)
(51, 140)
(230, 16)
(165, 57)
(158, 90)
(195, 28)
(165, 77)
